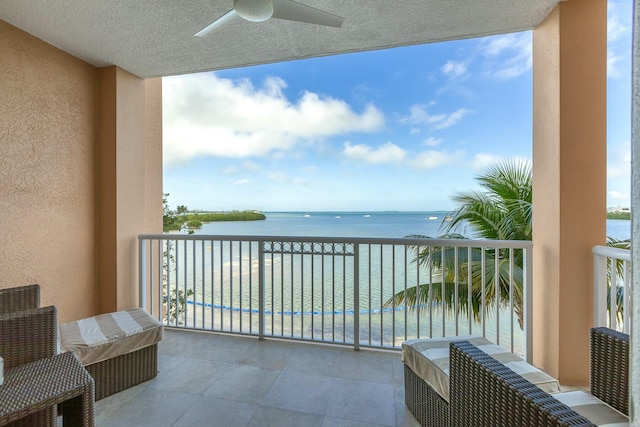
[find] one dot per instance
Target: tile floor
(221, 380)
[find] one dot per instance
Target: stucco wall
(80, 175)
(47, 209)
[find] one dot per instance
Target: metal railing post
(356, 296)
(528, 304)
(602, 256)
(626, 301)
(600, 288)
(261, 289)
(142, 274)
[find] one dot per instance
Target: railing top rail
(606, 251)
(480, 243)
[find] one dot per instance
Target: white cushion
(102, 337)
(593, 409)
(429, 359)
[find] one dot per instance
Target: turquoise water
(334, 224)
(619, 228)
(357, 224)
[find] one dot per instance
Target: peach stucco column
(569, 181)
(129, 180)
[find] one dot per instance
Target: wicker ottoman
(118, 349)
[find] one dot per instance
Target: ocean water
(619, 228)
(357, 224)
(333, 224)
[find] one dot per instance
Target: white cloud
(282, 177)
(619, 163)
(251, 166)
(616, 29)
(454, 70)
(300, 181)
(414, 131)
(617, 195)
(386, 153)
(432, 159)
(507, 56)
(432, 142)
(482, 161)
(391, 153)
(418, 114)
(207, 115)
(278, 176)
(231, 170)
(452, 118)
(612, 60)
(241, 182)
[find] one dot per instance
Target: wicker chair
(19, 298)
(27, 336)
(610, 368)
(484, 392)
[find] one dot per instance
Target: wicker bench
(427, 368)
(485, 392)
(118, 349)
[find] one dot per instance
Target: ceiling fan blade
(294, 11)
(217, 23)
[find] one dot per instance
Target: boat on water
(306, 216)
(431, 218)
(338, 216)
(367, 216)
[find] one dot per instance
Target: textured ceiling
(152, 38)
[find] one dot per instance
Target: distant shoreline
(194, 220)
(619, 215)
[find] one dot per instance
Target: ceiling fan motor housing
(254, 10)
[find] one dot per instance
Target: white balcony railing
(611, 303)
(335, 290)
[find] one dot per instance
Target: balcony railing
(337, 290)
(612, 287)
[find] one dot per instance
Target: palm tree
(501, 212)
(441, 261)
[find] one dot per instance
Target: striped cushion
(429, 359)
(105, 336)
(593, 408)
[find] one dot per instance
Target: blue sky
(396, 129)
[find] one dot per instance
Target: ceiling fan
(261, 10)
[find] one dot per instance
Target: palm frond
(479, 211)
(502, 211)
